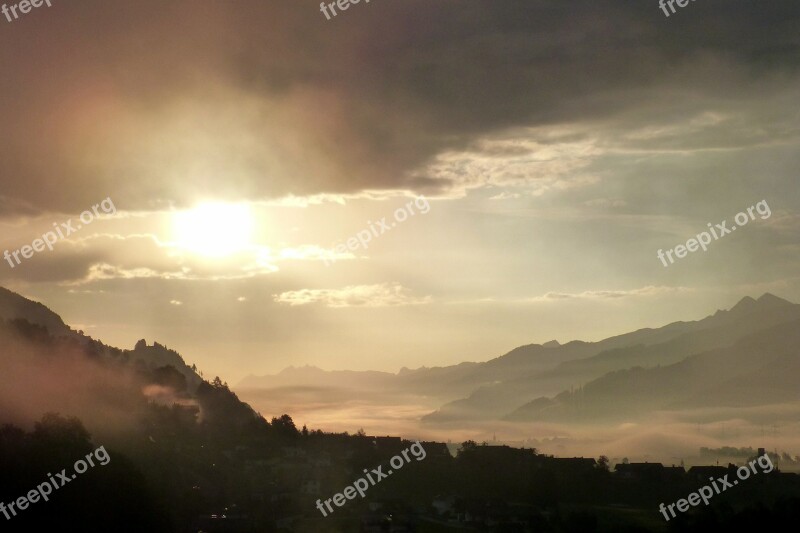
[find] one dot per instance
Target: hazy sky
(559, 145)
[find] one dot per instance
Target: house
(391, 445)
(703, 473)
(674, 473)
(574, 463)
(640, 471)
(436, 449)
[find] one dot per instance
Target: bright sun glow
(214, 229)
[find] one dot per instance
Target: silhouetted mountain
(16, 307)
(306, 375)
(450, 382)
(493, 389)
(157, 356)
(110, 389)
(12, 305)
(758, 367)
(647, 348)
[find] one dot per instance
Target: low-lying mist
(662, 436)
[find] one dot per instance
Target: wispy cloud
(537, 159)
(379, 295)
(650, 290)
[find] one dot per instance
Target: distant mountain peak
(552, 344)
(765, 302)
(770, 299)
(305, 369)
(745, 304)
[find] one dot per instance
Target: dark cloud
(164, 102)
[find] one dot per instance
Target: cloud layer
(160, 103)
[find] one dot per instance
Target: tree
(467, 447)
(55, 426)
(285, 426)
(169, 376)
(60, 436)
(602, 463)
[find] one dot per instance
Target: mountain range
(744, 356)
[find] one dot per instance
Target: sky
(547, 149)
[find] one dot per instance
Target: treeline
(111, 497)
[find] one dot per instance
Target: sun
(214, 229)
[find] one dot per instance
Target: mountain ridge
(683, 339)
(14, 306)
